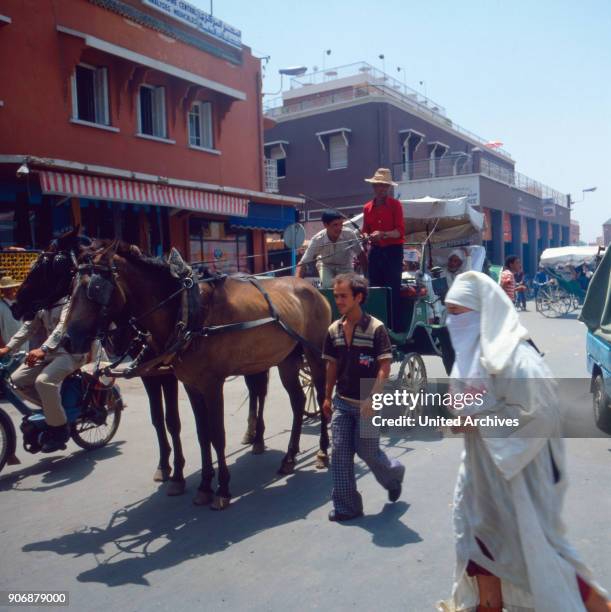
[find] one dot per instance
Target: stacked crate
(17, 264)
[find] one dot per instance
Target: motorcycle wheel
(8, 438)
(90, 435)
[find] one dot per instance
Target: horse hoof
(220, 503)
(248, 439)
(161, 474)
(258, 448)
(286, 468)
(322, 461)
(176, 487)
(203, 498)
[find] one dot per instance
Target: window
(151, 111)
(200, 125)
(218, 248)
(278, 154)
(338, 152)
(90, 94)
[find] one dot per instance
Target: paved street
(96, 524)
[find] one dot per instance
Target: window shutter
(146, 110)
(338, 152)
(206, 125)
(101, 96)
(195, 126)
(159, 124)
(85, 92)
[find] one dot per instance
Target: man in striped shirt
(358, 354)
(513, 265)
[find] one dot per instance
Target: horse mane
(134, 255)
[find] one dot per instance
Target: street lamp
(570, 201)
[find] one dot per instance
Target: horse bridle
(53, 260)
(103, 280)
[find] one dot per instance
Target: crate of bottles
(17, 264)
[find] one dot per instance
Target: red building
(138, 119)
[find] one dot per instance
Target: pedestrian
(358, 354)
(384, 226)
(508, 280)
(511, 548)
(8, 324)
(520, 289)
(333, 249)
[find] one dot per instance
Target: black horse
(50, 280)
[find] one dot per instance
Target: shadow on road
(59, 471)
(160, 532)
(386, 527)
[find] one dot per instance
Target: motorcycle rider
(40, 377)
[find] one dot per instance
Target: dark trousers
(385, 267)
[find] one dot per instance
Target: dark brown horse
(143, 286)
(50, 280)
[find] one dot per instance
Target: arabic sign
(198, 19)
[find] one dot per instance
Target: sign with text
(198, 19)
(446, 188)
(549, 210)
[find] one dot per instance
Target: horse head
(51, 276)
(113, 285)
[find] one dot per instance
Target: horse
(119, 279)
(50, 280)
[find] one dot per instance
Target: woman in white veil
(511, 549)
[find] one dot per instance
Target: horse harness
(188, 327)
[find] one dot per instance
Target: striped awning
(119, 190)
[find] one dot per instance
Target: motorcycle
(92, 404)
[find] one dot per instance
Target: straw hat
(8, 282)
(383, 176)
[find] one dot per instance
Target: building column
(498, 246)
(258, 251)
(75, 208)
(565, 235)
(544, 240)
(516, 235)
(178, 222)
(533, 254)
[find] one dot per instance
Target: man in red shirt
(383, 225)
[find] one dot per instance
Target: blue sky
(535, 75)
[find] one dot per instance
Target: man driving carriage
(383, 224)
(333, 249)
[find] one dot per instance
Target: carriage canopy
(568, 256)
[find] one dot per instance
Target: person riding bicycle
(40, 377)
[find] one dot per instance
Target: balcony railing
(461, 164)
(271, 176)
(374, 83)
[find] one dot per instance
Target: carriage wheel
(545, 302)
(412, 377)
(562, 302)
(311, 409)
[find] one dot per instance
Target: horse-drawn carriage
(565, 287)
(434, 227)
